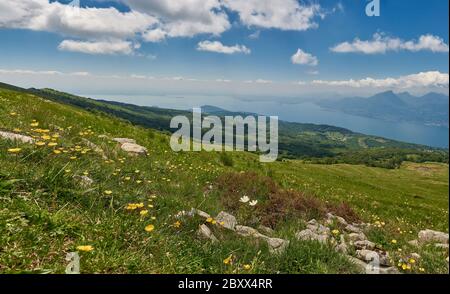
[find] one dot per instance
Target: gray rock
(309, 235)
(134, 149)
(414, 243)
(16, 137)
(357, 237)
(353, 229)
(426, 236)
(392, 270)
(365, 244)
(277, 245)
(201, 213)
(226, 220)
(342, 247)
(124, 140)
(86, 181)
(331, 217)
(441, 246)
(248, 232)
(372, 256)
(205, 232)
(265, 230)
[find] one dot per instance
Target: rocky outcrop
(226, 220)
(130, 146)
(16, 137)
(430, 236)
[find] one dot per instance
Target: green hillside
(74, 186)
(314, 143)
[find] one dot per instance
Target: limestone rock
(372, 256)
(426, 236)
(353, 229)
(414, 243)
(364, 244)
(134, 149)
(309, 235)
(277, 245)
(205, 232)
(441, 246)
(124, 140)
(265, 230)
(226, 220)
(16, 137)
(357, 237)
(248, 232)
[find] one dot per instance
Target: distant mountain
(430, 109)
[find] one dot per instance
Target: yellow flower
(149, 228)
(73, 157)
(335, 232)
(40, 143)
(14, 150)
(85, 248)
(404, 266)
(46, 137)
(247, 266)
(394, 241)
(412, 260)
(143, 212)
(12, 113)
(57, 151)
(52, 144)
(421, 269)
(108, 192)
(34, 124)
(86, 173)
(177, 224)
(127, 178)
(228, 259)
(209, 220)
(138, 181)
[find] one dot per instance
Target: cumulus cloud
(218, 47)
(280, 14)
(301, 57)
(101, 47)
(382, 44)
(422, 79)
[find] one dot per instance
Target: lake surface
(306, 112)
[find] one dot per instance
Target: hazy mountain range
(430, 109)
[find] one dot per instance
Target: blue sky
(409, 38)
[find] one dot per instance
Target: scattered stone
(205, 232)
(308, 235)
(414, 243)
(86, 181)
(248, 232)
(392, 270)
(364, 244)
(361, 265)
(357, 237)
(265, 230)
(372, 256)
(416, 256)
(353, 229)
(134, 149)
(426, 236)
(16, 137)
(331, 217)
(226, 220)
(441, 246)
(342, 247)
(124, 140)
(277, 245)
(201, 213)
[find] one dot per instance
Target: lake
(306, 112)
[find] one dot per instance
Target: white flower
(244, 199)
(253, 202)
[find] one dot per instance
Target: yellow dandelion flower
(14, 150)
(149, 228)
(138, 182)
(57, 151)
(153, 218)
(86, 173)
(52, 144)
(67, 171)
(143, 212)
(335, 232)
(177, 224)
(34, 124)
(46, 137)
(247, 267)
(228, 259)
(127, 178)
(404, 266)
(85, 248)
(73, 157)
(108, 192)
(421, 269)
(13, 113)
(150, 205)
(394, 241)
(209, 220)
(40, 143)
(412, 260)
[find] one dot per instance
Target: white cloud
(382, 44)
(301, 57)
(101, 47)
(422, 79)
(40, 15)
(218, 47)
(280, 14)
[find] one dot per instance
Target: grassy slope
(46, 213)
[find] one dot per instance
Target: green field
(45, 211)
